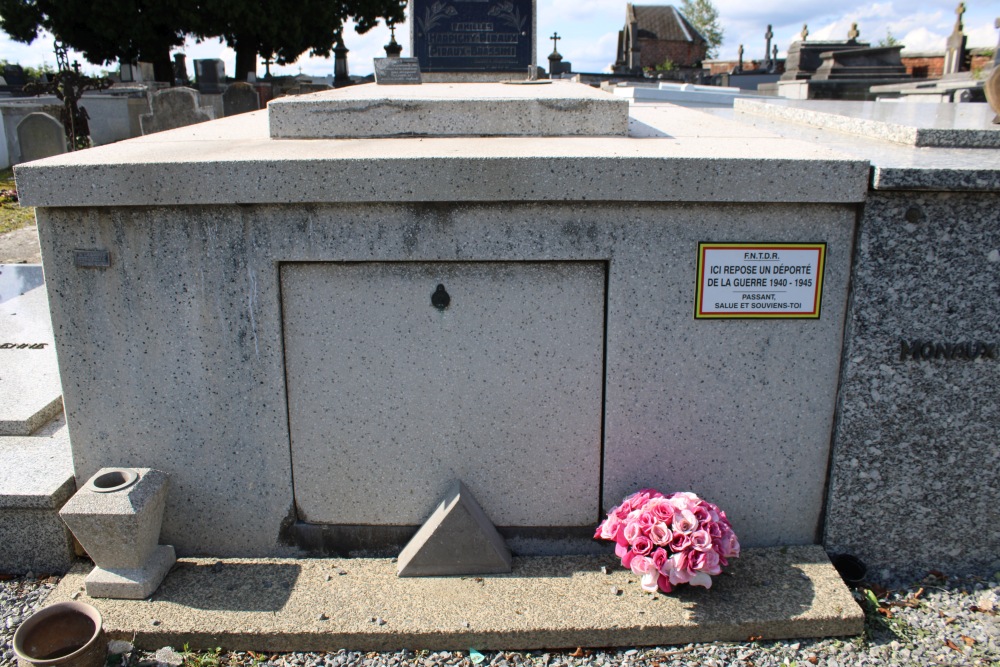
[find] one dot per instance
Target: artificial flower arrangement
(669, 540)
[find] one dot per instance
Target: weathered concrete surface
(442, 109)
(303, 605)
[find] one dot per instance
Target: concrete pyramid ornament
(458, 538)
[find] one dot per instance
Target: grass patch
(12, 215)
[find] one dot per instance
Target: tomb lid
(924, 125)
(542, 109)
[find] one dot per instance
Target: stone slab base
(132, 584)
(545, 602)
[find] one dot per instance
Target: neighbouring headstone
(397, 71)
(491, 36)
(209, 73)
(14, 76)
(240, 97)
(954, 54)
(881, 62)
(174, 107)
(180, 70)
(457, 539)
(39, 136)
(804, 58)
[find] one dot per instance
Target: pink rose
(637, 499)
(701, 540)
(632, 531)
(649, 581)
(730, 546)
(641, 565)
(642, 545)
(715, 530)
(680, 573)
(609, 529)
(704, 561)
(664, 583)
(628, 557)
(680, 542)
(701, 513)
(701, 579)
(646, 520)
(621, 550)
(660, 558)
(662, 510)
(685, 522)
(660, 534)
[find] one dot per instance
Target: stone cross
(805, 32)
(774, 55)
(555, 38)
(954, 51)
(767, 49)
(854, 32)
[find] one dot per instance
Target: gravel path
(938, 621)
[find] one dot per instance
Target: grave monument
(473, 40)
(268, 326)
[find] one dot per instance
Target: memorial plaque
(397, 71)
(96, 258)
(759, 280)
(473, 36)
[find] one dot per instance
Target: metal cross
(555, 38)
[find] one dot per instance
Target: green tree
(705, 18)
(105, 31)
(272, 29)
(888, 40)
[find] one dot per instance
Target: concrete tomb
(315, 336)
(36, 466)
(39, 136)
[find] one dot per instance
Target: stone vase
(116, 516)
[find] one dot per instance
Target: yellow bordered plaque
(759, 280)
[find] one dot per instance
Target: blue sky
(589, 30)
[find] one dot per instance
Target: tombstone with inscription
(473, 40)
(40, 135)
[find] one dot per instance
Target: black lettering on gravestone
(473, 35)
(396, 71)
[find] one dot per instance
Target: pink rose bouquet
(669, 540)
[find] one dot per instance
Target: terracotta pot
(67, 634)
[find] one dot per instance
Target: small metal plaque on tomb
(95, 258)
(759, 280)
(397, 71)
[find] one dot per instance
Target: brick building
(654, 34)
